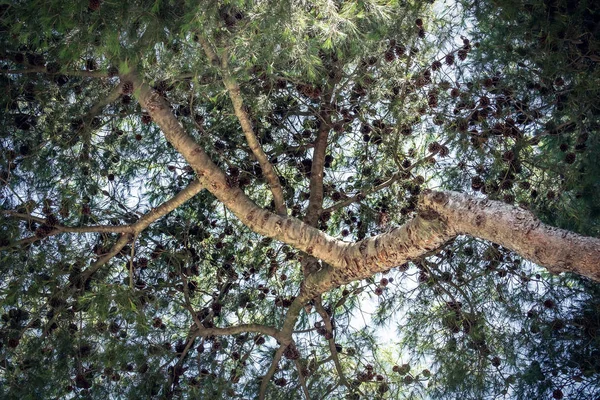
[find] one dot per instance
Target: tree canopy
(300, 199)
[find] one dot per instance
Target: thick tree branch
(240, 111)
(367, 257)
(518, 230)
(348, 262)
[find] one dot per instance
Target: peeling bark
(363, 259)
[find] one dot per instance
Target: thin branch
(302, 380)
(190, 191)
(240, 111)
(115, 249)
(93, 112)
(291, 149)
(21, 242)
(32, 69)
(364, 193)
(42, 70)
(113, 96)
(285, 338)
(156, 213)
(23, 216)
(334, 354)
(267, 378)
(70, 229)
(236, 329)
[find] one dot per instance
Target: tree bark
(235, 94)
(518, 230)
(442, 216)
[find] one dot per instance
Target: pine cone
(127, 88)
(94, 5)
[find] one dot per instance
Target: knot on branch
(154, 101)
(429, 214)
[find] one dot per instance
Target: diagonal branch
(190, 191)
(302, 380)
(428, 231)
(42, 70)
(113, 96)
(364, 193)
(284, 338)
(240, 111)
(272, 369)
(333, 350)
(264, 222)
(23, 216)
(236, 329)
(93, 112)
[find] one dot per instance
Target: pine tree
(207, 200)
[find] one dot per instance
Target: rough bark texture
(363, 259)
(442, 216)
(519, 230)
